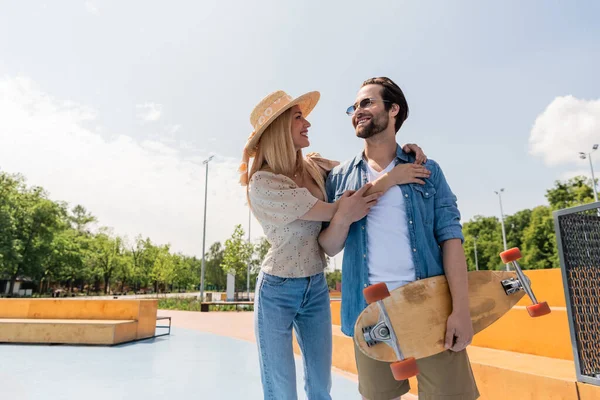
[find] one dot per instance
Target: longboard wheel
(510, 255)
(405, 369)
(537, 310)
(376, 292)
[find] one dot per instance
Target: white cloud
(143, 188)
(91, 8)
(159, 148)
(173, 129)
(149, 111)
(566, 127)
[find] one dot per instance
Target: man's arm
(448, 232)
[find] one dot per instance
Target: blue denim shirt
(433, 217)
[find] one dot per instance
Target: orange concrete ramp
(67, 331)
(547, 285)
(80, 321)
(516, 331)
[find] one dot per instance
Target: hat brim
(306, 102)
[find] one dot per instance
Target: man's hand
(409, 173)
(459, 330)
(354, 206)
(420, 157)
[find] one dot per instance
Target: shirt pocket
(425, 202)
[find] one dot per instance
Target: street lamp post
(250, 256)
(502, 220)
(476, 263)
(583, 156)
(205, 162)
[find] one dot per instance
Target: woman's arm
(321, 211)
(399, 175)
(333, 238)
(353, 207)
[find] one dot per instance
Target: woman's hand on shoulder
(420, 157)
(409, 173)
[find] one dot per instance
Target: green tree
(106, 256)
(539, 241)
(80, 219)
(236, 256)
(68, 261)
(29, 220)
(515, 227)
(488, 233)
(163, 270)
(124, 268)
(333, 277)
(143, 255)
(573, 192)
(214, 274)
(185, 275)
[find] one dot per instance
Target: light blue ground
(186, 365)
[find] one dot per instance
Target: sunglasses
(364, 103)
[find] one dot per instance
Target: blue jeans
(302, 304)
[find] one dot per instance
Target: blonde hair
(275, 153)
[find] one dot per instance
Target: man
(413, 232)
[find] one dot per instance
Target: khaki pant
(446, 376)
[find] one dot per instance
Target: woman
(287, 195)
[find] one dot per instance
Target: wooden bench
(74, 321)
(205, 305)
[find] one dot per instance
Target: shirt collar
(400, 154)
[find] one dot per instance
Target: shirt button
(363, 228)
(410, 222)
(365, 285)
(426, 194)
(405, 195)
(364, 256)
(414, 250)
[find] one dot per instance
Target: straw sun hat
(265, 112)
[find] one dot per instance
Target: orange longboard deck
(419, 311)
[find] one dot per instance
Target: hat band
(274, 108)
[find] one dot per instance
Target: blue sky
(115, 104)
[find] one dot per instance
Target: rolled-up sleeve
(447, 215)
(277, 200)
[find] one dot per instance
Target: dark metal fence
(578, 239)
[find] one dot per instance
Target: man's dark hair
(392, 94)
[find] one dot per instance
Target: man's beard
(376, 125)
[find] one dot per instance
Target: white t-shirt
(388, 241)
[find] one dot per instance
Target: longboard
(409, 322)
